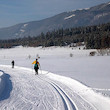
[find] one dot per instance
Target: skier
(12, 63)
(36, 66)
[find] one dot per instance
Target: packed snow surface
(65, 82)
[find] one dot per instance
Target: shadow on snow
(5, 86)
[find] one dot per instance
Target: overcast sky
(20, 11)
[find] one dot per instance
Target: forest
(94, 37)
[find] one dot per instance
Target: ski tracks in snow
(31, 92)
(77, 103)
(67, 101)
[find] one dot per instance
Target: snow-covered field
(81, 82)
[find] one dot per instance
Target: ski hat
(36, 59)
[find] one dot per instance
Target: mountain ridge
(82, 17)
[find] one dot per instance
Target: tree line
(94, 37)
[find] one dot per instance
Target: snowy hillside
(96, 15)
(80, 82)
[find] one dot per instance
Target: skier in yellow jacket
(36, 66)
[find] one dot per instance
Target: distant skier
(36, 66)
(13, 63)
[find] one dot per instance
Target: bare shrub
(37, 56)
(108, 51)
(92, 53)
(103, 52)
(71, 55)
(29, 56)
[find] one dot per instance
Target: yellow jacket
(35, 62)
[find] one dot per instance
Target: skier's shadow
(5, 86)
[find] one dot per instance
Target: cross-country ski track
(21, 89)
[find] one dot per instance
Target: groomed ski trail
(68, 102)
(41, 92)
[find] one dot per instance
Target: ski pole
(32, 68)
(41, 69)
